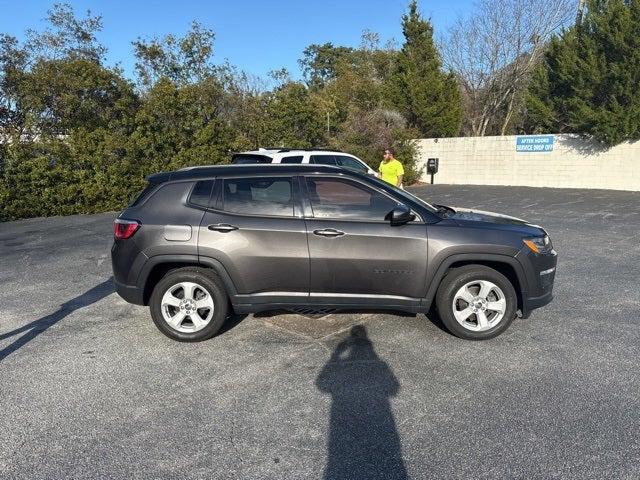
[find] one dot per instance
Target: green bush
(78, 137)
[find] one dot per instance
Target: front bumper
(540, 271)
(531, 303)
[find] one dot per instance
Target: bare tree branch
(494, 51)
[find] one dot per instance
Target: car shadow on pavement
(35, 328)
(363, 440)
(231, 322)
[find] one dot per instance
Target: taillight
(124, 229)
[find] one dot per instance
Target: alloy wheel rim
(479, 305)
(187, 307)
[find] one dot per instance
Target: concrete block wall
(573, 163)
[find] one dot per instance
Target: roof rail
(310, 149)
(279, 149)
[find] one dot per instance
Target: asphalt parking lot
(89, 388)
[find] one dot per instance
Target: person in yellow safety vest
(390, 169)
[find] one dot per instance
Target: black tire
(456, 279)
(202, 277)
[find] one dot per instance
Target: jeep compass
(201, 243)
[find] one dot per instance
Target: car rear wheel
(189, 304)
(476, 302)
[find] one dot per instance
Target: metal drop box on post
(432, 167)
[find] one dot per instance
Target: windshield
(405, 194)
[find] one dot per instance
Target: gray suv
(201, 243)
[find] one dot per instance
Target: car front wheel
(476, 302)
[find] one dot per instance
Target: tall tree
(589, 81)
(64, 121)
(494, 51)
(67, 36)
(59, 96)
(349, 88)
(183, 60)
(319, 63)
(13, 61)
(65, 39)
(427, 96)
(292, 120)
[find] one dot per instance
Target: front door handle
(222, 227)
(328, 232)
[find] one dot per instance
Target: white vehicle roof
(302, 155)
(273, 151)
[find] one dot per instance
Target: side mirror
(400, 215)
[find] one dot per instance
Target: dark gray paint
(370, 258)
(260, 256)
(301, 260)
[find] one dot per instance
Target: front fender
(442, 267)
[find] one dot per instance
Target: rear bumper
(127, 261)
(130, 293)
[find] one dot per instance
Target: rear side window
(201, 193)
(258, 196)
(249, 159)
(323, 159)
(138, 199)
(352, 163)
(292, 159)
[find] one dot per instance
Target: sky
(256, 36)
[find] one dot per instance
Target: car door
(353, 250)
(256, 230)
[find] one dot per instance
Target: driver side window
(345, 199)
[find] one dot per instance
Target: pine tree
(589, 81)
(427, 96)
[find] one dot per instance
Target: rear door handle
(328, 232)
(222, 227)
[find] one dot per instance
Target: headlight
(538, 244)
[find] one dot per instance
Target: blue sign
(534, 143)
